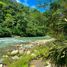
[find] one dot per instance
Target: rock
(49, 65)
(14, 52)
(21, 51)
(15, 57)
(28, 46)
(21, 48)
(5, 56)
(28, 52)
(1, 65)
(41, 42)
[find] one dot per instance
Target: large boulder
(14, 52)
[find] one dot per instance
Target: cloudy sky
(32, 4)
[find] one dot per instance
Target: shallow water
(11, 41)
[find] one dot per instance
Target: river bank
(14, 52)
(28, 44)
(8, 44)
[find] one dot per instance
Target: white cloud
(18, 1)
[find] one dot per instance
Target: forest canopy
(19, 20)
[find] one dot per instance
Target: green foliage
(17, 19)
(22, 62)
(20, 20)
(58, 55)
(57, 27)
(55, 18)
(25, 21)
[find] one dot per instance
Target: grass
(38, 51)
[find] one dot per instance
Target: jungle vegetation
(19, 20)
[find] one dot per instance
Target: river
(15, 40)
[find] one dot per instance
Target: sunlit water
(12, 41)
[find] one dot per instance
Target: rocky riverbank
(14, 53)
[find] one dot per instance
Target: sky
(32, 4)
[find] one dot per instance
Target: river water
(12, 41)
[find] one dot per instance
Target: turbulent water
(11, 41)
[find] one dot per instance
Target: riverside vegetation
(19, 20)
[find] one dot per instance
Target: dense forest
(19, 20)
